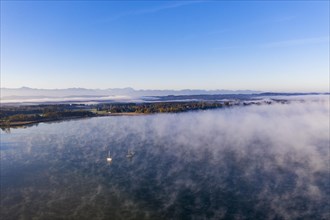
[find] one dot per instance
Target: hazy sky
(273, 46)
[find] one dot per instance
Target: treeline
(160, 107)
(47, 116)
(7, 111)
(10, 115)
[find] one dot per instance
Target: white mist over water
(266, 162)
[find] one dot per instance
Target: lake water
(259, 162)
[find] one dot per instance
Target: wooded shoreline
(16, 116)
(23, 123)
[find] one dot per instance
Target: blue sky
(269, 46)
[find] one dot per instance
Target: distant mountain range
(28, 93)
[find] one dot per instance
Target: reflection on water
(266, 162)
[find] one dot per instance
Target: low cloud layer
(256, 162)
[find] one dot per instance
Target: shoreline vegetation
(18, 116)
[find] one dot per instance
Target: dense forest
(160, 107)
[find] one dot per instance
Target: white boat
(109, 158)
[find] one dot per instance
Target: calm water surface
(265, 162)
